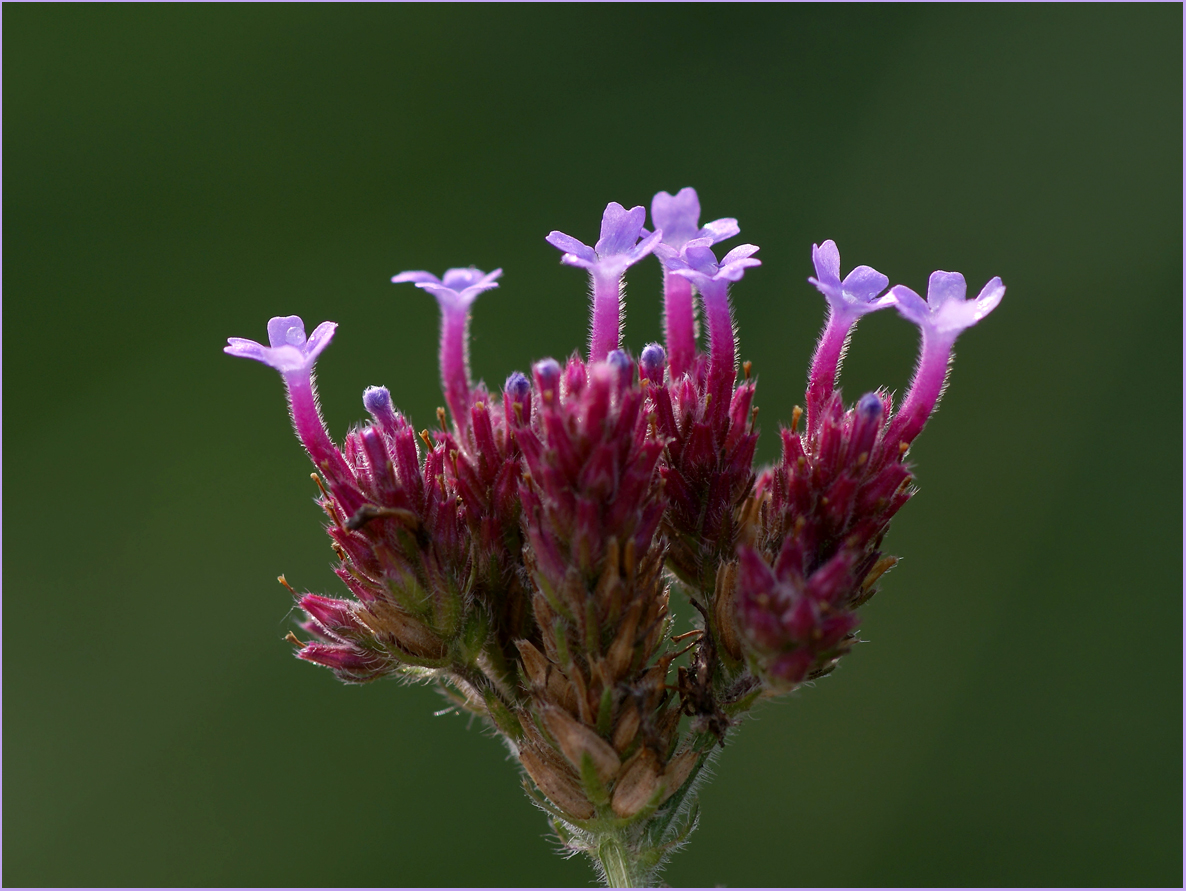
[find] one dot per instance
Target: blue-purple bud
(377, 401)
(623, 367)
(516, 395)
(518, 387)
(547, 379)
(866, 424)
(651, 362)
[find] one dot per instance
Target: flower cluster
(523, 556)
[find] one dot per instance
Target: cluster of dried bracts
(524, 554)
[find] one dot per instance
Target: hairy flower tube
(527, 556)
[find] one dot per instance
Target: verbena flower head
(524, 558)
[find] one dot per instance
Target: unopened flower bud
(547, 379)
(651, 363)
(623, 366)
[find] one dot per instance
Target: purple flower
(289, 351)
(618, 249)
(941, 318)
(293, 355)
(457, 290)
(848, 300)
(455, 293)
(946, 312)
(678, 217)
(857, 293)
(697, 263)
(524, 556)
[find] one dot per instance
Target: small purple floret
(651, 362)
(618, 249)
(518, 387)
(941, 318)
(678, 217)
(857, 293)
(848, 300)
(455, 293)
(697, 263)
(289, 350)
(946, 312)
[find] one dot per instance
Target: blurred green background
(174, 175)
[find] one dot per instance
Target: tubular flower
(525, 557)
(617, 250)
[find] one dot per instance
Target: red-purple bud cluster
(707, 468)
(591, 467)
(816, 549)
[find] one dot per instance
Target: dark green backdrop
(175, 175)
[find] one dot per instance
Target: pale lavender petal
(415, 276)
(989, 297)
(741, 252)
(944, 286)
(281, 331)
(320, 339)
(735, 270)
(719, 230)
(644, 247)
(460, 279)
(619, 229)
(581, 262)
(910, 305)
(669, 256)
(864, 283)
(826, 258)
(699, 256)
(245, 349)
(568, 244)
(677, 215)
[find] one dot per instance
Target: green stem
(622, 869)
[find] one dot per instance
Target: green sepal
(605, 712)
(591, 782)
(502, 716)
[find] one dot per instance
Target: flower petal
(415, 276)
(568, 244)
(826, 258)
(719, 230)
(279, 328)
(944, 286)
(864, 283)
(910, 305)
(677, 215)
(619, 229)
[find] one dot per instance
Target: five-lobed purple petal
(858, 293)
(617, 249)
(678, 218)
(457, 289)
(946, 311)
(289, 350)
(697, 262)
